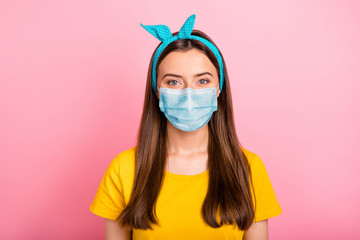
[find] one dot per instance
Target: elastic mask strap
(217, 87)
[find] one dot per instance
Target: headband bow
(163, 33)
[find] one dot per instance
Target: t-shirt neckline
(184, 177)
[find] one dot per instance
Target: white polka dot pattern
(163, 33)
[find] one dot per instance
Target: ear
(157, 93)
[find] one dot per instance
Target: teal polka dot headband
(163, 33)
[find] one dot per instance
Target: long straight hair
(228, 193)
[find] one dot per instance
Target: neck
(184, 143)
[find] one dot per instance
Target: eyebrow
(179, 76)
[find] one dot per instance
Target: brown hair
(229, 171)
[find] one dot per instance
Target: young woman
(188, 177)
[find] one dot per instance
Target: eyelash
(207, 81)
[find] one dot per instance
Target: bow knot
(163, 33)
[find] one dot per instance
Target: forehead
(186, 62)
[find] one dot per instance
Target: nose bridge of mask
(189, 94)
(187, 97)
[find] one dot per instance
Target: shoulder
(124, 162)
(257, 166)
(126, 157)
(252, 157)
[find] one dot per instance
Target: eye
(172, 82)
(203, 81)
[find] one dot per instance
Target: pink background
(71, 93)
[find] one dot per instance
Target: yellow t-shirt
(180, 199)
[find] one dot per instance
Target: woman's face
(192, 68)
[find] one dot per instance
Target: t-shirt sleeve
(109, 199)
(267, 205)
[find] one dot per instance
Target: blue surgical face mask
(188, 109)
